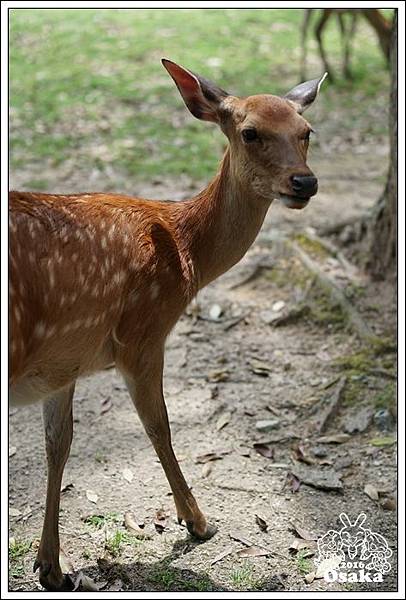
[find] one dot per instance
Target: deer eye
(249, 135)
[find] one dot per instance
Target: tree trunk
(382, 227)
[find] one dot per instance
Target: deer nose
(304, 185)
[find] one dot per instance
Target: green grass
(99, 521)
(87, 87)
(17, 551)
(304, 565)
(169, 578)
(244, 579)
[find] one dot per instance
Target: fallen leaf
(262, 524)
(339, 438)
(92, 496)
(371, 491)
(238, 537)
(65, 562)
(161, 520)
(293, 481)
(267, 425)
(128, 475)
(253, 551)
(260, 367)
(388, 504)
(67, 487)
(309, 577)
(85, 584)
(222, 555)
(301, 544)
(303, 533)
(223, 420)
(106, 405)
(300, 455)
(14, 512)
(11, 451)
(218, 375)
(136, 529)
(206, 469)
(209, 456)
(321, 479)
(383, 441)
(265, 450)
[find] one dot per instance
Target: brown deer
(99, 278)
(375, 18)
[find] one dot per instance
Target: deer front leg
(57, 415)
(325, 15)
(146, 392)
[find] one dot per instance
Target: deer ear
(304, 94)
(202, 97)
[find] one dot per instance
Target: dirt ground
(222, 376)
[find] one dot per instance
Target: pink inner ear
(187, 83)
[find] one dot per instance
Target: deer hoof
(206, 535)
(50, 581)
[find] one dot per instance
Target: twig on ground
(332, 407)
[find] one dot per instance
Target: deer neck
(220, 224)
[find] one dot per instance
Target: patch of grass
(114, 544)
(18, 549)
(304, 565)
(82, 89)
(245, 578)
(169, 579)
(387, 397)
(313, 247)
(99, 521)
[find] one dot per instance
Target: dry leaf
(14, 512)
(209, 456)
(106, 405)
(128, 475)
(300, 455)
(300, 544)
(222, 555)
(339, 438)
(85, 584)
(388, 504)
(293, 481)
(67, 487)
(92, 496)
(303, 533)
(309, 577)
(277, 306)
(160, 521)
(65, 562)
(136, 529)
(260, 367)
(262, 524)
(254, 551)
(371, 491)
(11, 451)
(206, 470)
(218, 375)
(238, 537)
(223, 420)
(264, 450)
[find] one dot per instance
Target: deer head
(268, 135)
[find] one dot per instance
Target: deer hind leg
(326, 14)
(304, 30)
(58, 425)
(145, 389)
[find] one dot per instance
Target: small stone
(384, 420)
(277, 306)
(215, 312)
(267, 425)
(359, 420)
(319, 452)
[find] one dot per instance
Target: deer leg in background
(145, 388)
(347, 32)
(58, 425)
(325, 15)
(304, 31)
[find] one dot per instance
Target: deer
(380, 24)
(100, 279)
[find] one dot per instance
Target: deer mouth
(291, 201)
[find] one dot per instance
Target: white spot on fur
(39, 329)
(17, 314)
(74, 256)
(103, 242)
